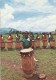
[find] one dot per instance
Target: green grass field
(46, 63)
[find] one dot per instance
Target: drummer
(32, 40)
(17, 37)
(50, 37)
(17, 43)
(44, 36)
(2, 44)
(10, 42)
(26, 42)
(37, 37)
(10, 38)
(0, 40)
(44, 40)
(31, 36)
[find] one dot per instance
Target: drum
(44, 43)
(17, 44)
(38, 43)
(2, 45)
(52, 43)
(32, 43)
(28, 66)
(9, 44)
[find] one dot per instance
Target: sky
(28, 15)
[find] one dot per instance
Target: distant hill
(7, 30)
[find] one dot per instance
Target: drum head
(26, 50)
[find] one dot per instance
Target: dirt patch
(9, 64)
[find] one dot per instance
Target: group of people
(27, 40)
(9, 41)
(50, 37)
(10, 37)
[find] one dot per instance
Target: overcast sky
(28, 15)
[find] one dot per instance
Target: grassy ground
(46, 63)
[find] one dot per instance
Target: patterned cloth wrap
(26, 43)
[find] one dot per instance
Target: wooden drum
(52, 43)
(32, 43)
(9, 45)
(44, 43)
(17, 44)
(38, 43)
(28, 66)
(2, 45)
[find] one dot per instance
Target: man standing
(26, 40)
(10, 42)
